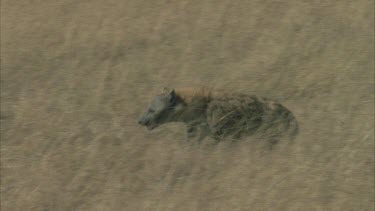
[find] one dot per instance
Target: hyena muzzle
(219, 114)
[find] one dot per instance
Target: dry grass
(75, 75)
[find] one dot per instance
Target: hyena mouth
(150, 127)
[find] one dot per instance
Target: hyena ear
(165, 90)
(172, 96)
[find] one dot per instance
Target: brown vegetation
(76, 74)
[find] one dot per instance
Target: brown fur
(188, 94)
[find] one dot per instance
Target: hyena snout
(143, 121)
(147, 122)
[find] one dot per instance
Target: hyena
(219, 114)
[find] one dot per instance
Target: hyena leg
(203, 132)
(198, 131)
(192, 131)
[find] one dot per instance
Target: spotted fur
(219, 114)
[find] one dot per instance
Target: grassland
(75, 75)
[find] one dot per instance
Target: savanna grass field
(76, 75)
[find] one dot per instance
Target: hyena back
(219, 114)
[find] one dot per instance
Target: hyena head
(162, 109)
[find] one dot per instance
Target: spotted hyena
(219, 114)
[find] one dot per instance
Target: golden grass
(75, 76)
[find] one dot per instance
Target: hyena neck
(188, 112)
